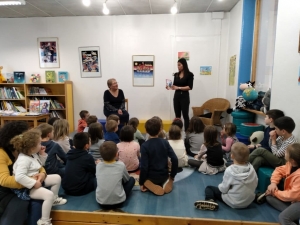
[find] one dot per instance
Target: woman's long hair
(185, 66)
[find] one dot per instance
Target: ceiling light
(16, 2)
(174, 9)
(86, 2)
(105, 9)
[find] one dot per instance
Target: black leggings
(181, 102)
(213, 193)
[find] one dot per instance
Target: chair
(215, 106)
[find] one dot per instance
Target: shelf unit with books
(12, 96)
(60, 96)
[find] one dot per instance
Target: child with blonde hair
(177, 144)
(210, 157)
(61, 134)
(96, 135)
(228, 138)
(194, 136)
(129, 150)
(27, 166)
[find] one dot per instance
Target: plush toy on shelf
(2, 78)
(266, 101)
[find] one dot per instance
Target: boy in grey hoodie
(238, 185)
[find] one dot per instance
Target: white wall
(234, 43)
(120, 37)
(285, 88)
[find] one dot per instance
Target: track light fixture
(105, 9)
(16, 2)
(174, 9)
(86, 2)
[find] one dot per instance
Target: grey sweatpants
(289, 212)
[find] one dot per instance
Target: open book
(169, 83)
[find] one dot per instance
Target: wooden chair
(215, 106)
(126, 104)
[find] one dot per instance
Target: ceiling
(57, 8)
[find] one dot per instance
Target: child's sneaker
(207, 205)
(168, 186)
(156, 189)
(59, 201)
(44, 222)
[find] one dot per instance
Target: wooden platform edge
(66, 217)
(254, 111)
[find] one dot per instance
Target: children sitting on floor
(61, 134)
(228, 138)
(280, 139)
(210, 157)
(129, 150)
(194, 136)
(96, 135)
(111, 129)
(270, 117)
(287, 201)
(238, 185)
(89, 121)
(54, 150)
(27, 167)
(115, 118)
(154, 174)
(114, 182)
(138, 137)
(162, 133)
(81, 168)
(177, 145)
(178, 122)
(84, 114)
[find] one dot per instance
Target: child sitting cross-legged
(27, 167)
(228, 138)
(129, 150)
(287, 201)
(81, 168)
(210, 157)
(238, 185)
(54, 150)
(194, 136)
(154, 175)
(96, 135)
(111, 129)
(114, 182)
(138, 137)
(61, 134)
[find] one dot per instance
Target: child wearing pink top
(129, 150)
(228, 138)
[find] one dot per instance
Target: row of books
(39, 91)
(54, 104)
(11, 93)
(58, 114)
(19, 77)
(12, 106)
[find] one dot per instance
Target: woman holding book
(183, 82)
(114, 101)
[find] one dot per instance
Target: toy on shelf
(2, 78)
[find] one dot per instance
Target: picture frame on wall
(89, 60)
(143, 70)
(48, 52)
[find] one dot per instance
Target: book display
(39, 98)
(19, 77)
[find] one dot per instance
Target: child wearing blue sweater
(111, 127)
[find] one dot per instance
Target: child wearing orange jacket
(288, 200)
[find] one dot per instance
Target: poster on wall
(185, 55)
(89, 60)
(48, 52)
(205, 70)
(232, 70)
(299, 77)
(143, 70)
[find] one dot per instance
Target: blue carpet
(188, 187)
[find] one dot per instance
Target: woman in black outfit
(183, 82)
(114, 101)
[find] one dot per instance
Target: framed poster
(143, 70)
(48, 52)
(89, 60)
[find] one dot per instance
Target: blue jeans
(35, 211)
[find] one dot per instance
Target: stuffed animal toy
(266, 101)
(256, 137)
(246, 85)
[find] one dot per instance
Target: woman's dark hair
(185, 66)
(210, 136)
(7, 132)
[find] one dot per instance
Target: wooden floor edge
(68, 217)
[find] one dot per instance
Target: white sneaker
(59, 201)
(44, 222)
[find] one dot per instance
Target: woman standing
(183, 82)
(114, 101)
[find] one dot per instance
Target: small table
(25, 118)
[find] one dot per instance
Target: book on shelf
(57, 114)
(19, 77)
(63, 76)
(44, 106)
(9, 77)
(34, 106)
(50, 77)
(35, 78)
(39, 91)
(10, 93)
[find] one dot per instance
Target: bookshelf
(61, 93)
